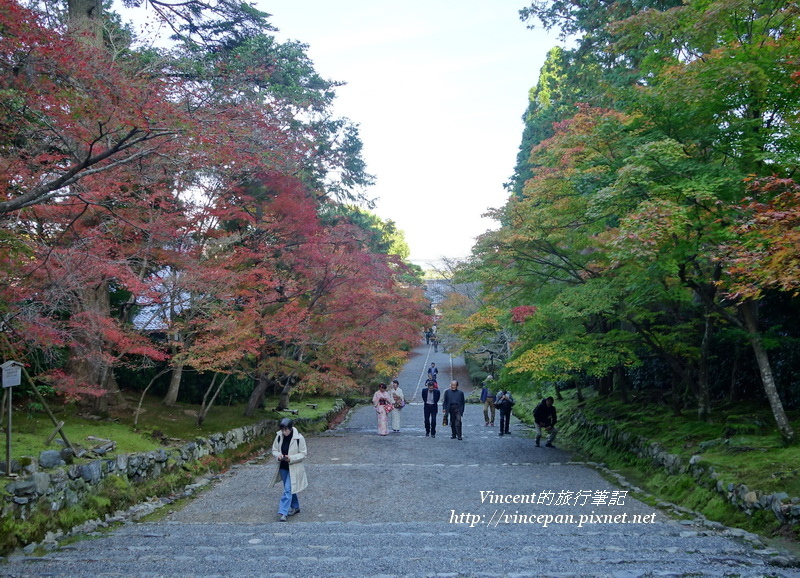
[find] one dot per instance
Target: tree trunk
(144, 393)
(201, 417)
(578, 391)
(178, 364)
(87, 365)
(283, 399)
(621, 383)
(262, 381)
(174, 383)
(733, 390)
(676, 394)
(604, 385)
(86, 19)
(703, 395)
(749, 311)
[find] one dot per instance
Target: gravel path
(405, 504)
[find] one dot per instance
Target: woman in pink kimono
(382, 400)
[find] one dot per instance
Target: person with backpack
(544, 419)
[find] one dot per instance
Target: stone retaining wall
(786, 510)
(50, 480)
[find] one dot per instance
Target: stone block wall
(50, 480)
(785, 509)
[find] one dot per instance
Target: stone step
(300, 548)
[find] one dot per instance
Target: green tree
(720, 82)
(623, 214)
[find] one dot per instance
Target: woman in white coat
(289, 448)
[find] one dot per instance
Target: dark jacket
(545, 415)
(454, 398)
(436, 394)
(504, 404)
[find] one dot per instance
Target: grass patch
(157, 426)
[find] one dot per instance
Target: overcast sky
(438, 88)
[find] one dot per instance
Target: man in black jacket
(430, 404)
(454, 403)
(544, 418)
(504, 402)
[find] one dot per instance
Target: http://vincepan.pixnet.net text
(593, 507)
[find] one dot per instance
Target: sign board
(12, 373)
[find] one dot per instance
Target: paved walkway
(405, 504)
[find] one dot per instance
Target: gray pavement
(404, 504)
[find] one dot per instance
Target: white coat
(297, 453)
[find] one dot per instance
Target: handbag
(444, 419)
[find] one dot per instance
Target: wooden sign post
(12, 376)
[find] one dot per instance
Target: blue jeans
(288, 499)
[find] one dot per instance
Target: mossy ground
(740, 442)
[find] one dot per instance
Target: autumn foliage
(156, 213)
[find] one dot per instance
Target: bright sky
(438, 89)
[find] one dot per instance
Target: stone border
(738, 495)
(63, 486)
(689, 518)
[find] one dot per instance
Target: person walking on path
(398, 401)
(433, 372)
(289, 448)
(544, 419)
(504, 401)
(430, 405)
(383, 403)
(454, 403)
(487, 399)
